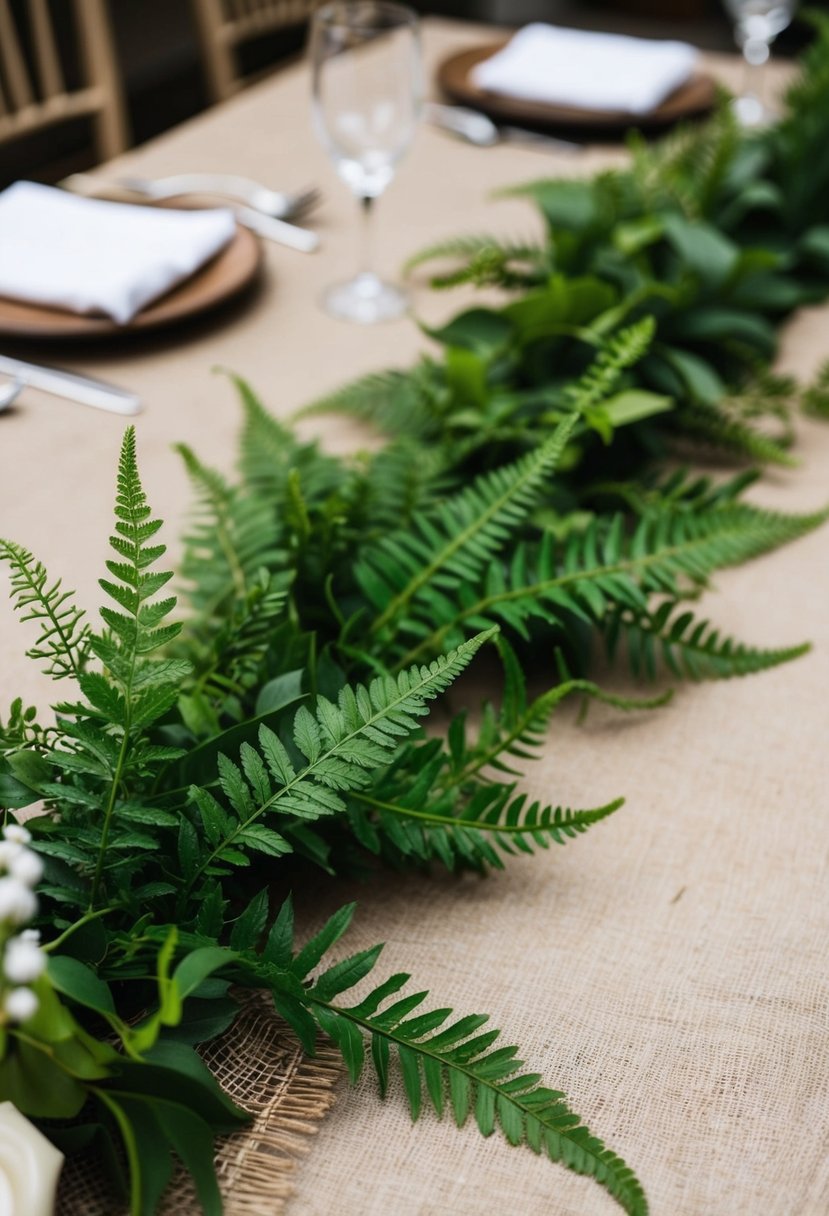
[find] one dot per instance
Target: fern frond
(687, 647)
(233, 536)
(622, 351)
(440, 552)
(602, 569)
(401, 479)
(712, 425)
(341, 744)
(456, 1064)
(63, 641)
(270, 453)
(485, 261)
(396, 402)
(494, 815)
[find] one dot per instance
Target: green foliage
(815, 398)
(63, 639)
(332, 601)
(456, 1064)
(712, 232)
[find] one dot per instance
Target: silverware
(266, 226)
(480, 130)
(83, 389)
(244, 190)
(279, 231)
(10, 392)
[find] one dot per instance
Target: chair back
(34, 94)
(223, 25)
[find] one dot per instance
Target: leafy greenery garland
(332, 601)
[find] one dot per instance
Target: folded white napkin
(587, 70)
(90, 256)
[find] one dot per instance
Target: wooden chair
(34, 95)
(224, 25)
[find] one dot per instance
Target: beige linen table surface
(668, 971)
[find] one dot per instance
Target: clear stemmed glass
(756, 25)
(365, 57)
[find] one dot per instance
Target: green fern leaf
(396, 402)
(63, 641)
(602, 569)
(459, 1061)
(342, 742)
(414, 568)
(687, 646)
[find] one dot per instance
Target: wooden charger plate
(454, 76)
(222, 278)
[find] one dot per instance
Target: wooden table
(667, 971)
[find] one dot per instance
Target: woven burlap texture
(260, 1066)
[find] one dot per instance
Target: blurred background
(167, 74)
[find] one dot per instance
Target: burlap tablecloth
(668, 971)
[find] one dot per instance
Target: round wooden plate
(227, 274)
(454, 76)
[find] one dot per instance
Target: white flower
(17, 834)
(8, 852)
(26, 868)
(23, 961)
(30, 935)
(17, 902)
(20, 1004)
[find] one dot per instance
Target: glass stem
(756, 54)
(367, 235)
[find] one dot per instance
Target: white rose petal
(26, 868)
(17, 902)
(23, 961)
(20, 1004)
(17, 834)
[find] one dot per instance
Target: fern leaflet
(440, 552)
(63, 641)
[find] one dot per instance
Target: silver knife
(83, 389)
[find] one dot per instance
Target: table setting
(513, 539)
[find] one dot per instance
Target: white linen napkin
(90, 256)
(590, 71)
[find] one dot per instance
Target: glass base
(366, 300)
(750, 111)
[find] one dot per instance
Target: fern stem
(113, 793)
(478, 825)
(86, 919)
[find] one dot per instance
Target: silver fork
(278, 205)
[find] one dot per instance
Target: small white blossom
(20, 1004)
(17, 834)
(30, 935)
(23, 961)
(26, 868)
(17, 902)
(9, 851)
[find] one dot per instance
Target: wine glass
(365, 58)
(756, 25)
